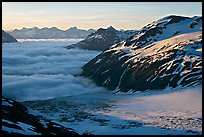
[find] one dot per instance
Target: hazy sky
(85, 15)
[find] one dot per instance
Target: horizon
(48, 28)
(91, 15)
(84, 29)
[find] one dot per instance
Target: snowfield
(177, 112)
(43, 76)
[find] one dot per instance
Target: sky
(86, 15)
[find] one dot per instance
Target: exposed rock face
(164, 54)
(50, 33)
(102, 39)
(17, 121)
(6, 38)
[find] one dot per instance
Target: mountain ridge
(48, 33)
(131, 64)
(103, 39)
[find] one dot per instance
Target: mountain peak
(54, 28)
(73, 27)
(44, 28)
(35, 27)
(91, 30)
(173, 18)
(23, 28)
(110, 28)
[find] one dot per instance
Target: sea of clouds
(38, 70)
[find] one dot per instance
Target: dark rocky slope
(6, 38)
(102, 39)
(17, 121)
(164, 54)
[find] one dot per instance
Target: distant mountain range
(6, 38)
(166, 53)
(103, 39)
(49, 33)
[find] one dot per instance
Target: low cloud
(43, 70)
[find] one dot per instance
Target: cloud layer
(44, 69)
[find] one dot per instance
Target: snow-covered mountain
(16, 120)
(103, 39)
(166, 53)
(49, 33)
(6, 38)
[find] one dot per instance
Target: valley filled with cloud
(42, 70)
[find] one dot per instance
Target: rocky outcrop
(16, 120)
(6, 38)
(102, 39)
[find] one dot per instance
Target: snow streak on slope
(163, 45)
(170, 63)
(164, 28)
(44, 69)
